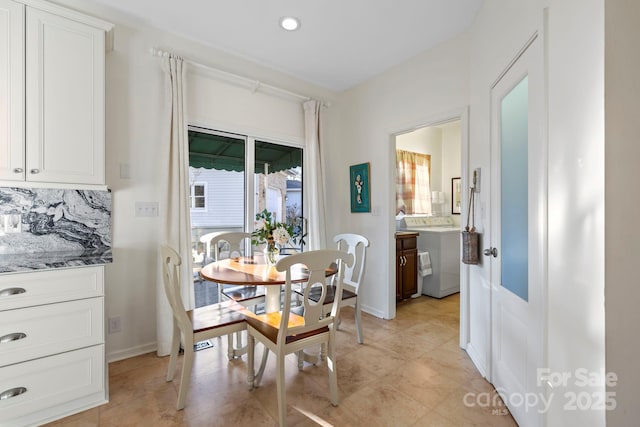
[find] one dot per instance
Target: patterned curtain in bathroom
(413, 188)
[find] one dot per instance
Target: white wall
(451, 162)
(363, 120)
(576, 201)
(622, 246)
(134, 123)
(222, 106)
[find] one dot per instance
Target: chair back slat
(316, 262)
(239, 244)
(171, 262)
(356, 245)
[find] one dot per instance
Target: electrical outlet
(10, 224)
(115, 324)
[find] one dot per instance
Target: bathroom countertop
(12, 263)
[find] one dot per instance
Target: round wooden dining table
(254, 271)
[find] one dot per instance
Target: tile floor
(409, 372)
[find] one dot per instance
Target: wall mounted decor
(456, 195)
(359, 183)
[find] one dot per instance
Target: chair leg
(239, 340)
(300, 355)
(173, 355)
(230, 354)
(250, 357)
(263, 364)
(185, 378)
(282, 402)
(331, 366)
(358, 322)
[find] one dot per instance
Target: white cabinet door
(64, 100)
(11, 90)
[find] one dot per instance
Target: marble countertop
(11, 263)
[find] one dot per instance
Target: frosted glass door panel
(514, 128)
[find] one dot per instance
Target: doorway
(440, 191)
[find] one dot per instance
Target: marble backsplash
(53, 227)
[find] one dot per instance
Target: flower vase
(271, 254)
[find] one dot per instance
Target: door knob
(491, 251)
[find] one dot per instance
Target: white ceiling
(340, 43)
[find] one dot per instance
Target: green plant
(268, 230)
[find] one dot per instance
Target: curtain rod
(253, 85)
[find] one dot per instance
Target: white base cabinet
(52, 348)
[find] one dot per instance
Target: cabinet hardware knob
(18, 170)
(12, 337)
(12, 392)
(12, 291)
(34, 171)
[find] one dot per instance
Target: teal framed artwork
(359, 183)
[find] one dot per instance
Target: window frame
(192, 196)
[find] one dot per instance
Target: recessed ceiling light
(290, 23)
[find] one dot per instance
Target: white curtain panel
(174, 207)
(314, 176)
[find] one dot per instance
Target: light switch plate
(147, 209)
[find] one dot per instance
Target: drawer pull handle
(12, 337)
(18, 170)
(35, 171)
(12, 392)
(12, 291)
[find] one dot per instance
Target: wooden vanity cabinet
(406, 265)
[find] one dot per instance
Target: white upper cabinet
(11, 90)
(57, 67)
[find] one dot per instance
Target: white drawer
(19, 290)
(53, 384)
(50, 329)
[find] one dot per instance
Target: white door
(518, 234)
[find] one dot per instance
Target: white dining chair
(228, 244)
(286, 332)
(356, 245)
(201, 324)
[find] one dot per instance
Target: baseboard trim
(131, 352)
(477, 360)
(372, 311)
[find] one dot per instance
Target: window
(199, 196)
(242, 175)
(413, 190)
